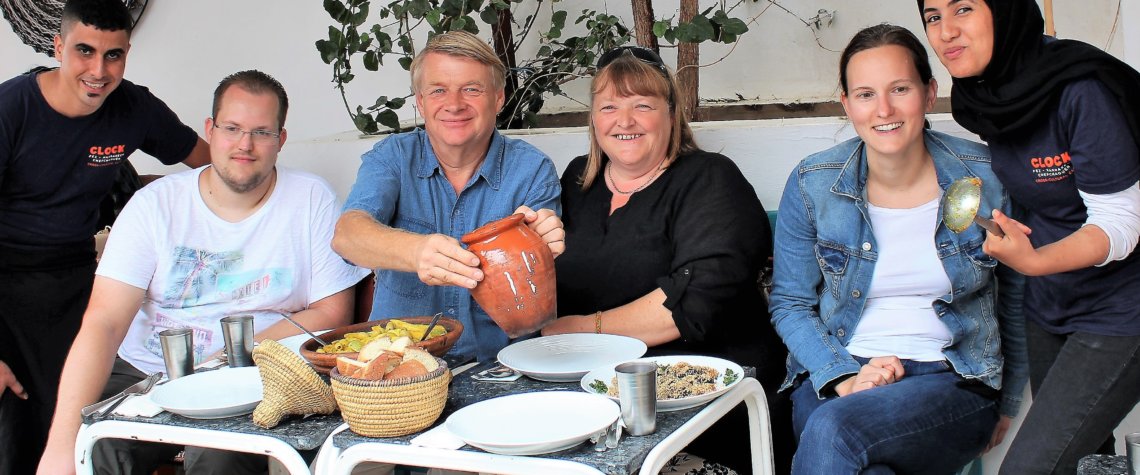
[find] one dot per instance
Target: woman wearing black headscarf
(1061, 118)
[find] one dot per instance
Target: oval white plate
(533, 423)
(211, 394)
(294, 342)
(566, 358)
(605, 375)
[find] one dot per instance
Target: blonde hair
(630, 76)
(462, 44)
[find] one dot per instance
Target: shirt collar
(852, 180)
(491, 170)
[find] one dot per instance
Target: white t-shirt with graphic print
(197, 268)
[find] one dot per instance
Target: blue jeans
(1083, 386)
(930, 421)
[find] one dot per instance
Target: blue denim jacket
(825, 256)
(401, 185)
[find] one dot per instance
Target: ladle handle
(989, 225)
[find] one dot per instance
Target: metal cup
(1132, 447)
(177, 351)
(637, 394)
(237, 330)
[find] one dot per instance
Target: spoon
(306, 330)
(434, 320)
(960, 206)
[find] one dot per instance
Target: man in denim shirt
(418, 192)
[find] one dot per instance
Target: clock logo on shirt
(1051, 169)
(101, 156)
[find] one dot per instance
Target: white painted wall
(182, 48)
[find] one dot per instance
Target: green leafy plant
(559, 58)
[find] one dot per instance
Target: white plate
(294, 342)
(605, 375)
(533, 423)
(211, 394)
(566, 358)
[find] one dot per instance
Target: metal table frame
(333, 460)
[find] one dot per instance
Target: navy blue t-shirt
(1085, 145)
(55, 170)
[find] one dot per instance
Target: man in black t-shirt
(64, 133)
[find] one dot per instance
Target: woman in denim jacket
(897, 334)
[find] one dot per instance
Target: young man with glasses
(241, 236)
(64, 135)
(419, 192)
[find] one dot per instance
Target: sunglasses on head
(642, 53)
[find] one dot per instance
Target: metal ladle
(960, 206)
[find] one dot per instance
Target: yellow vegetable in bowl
(353, 342)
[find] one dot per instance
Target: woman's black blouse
(700, 234)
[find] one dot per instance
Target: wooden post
(1049, 30)
(688, 72)
(643, 24)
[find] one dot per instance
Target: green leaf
(336, 37)
(380, 102)
(554, 33)
(559, 19)
(396, 103)
(659, 28)
(419, 8)
(458, 23)
(489, 15)
(702, 29)
(360, 15)
(432, 18)
(735, 27)
(334, 8)
(406, 63)
(364, 123)
(371, 61)
(388, 118)
(328, 50)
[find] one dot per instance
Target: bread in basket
(391, 407)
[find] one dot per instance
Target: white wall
(181, 49)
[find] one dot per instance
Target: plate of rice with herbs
(683, 381)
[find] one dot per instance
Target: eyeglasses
(233, 132)
(642, 53)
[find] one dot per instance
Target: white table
(334, 460)
(142, 431)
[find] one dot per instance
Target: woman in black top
(664, 241)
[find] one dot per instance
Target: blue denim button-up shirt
(400, 184)
(825, 255)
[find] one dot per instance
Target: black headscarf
(1026, 75)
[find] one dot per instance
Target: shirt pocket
(832, 259)
(978, 257)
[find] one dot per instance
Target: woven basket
(391, 408)
(289, 386)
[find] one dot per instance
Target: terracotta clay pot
(518, 289)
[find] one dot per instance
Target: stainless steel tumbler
(637, 395)
(177, 351)
(1132, 448)
(237, 330)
